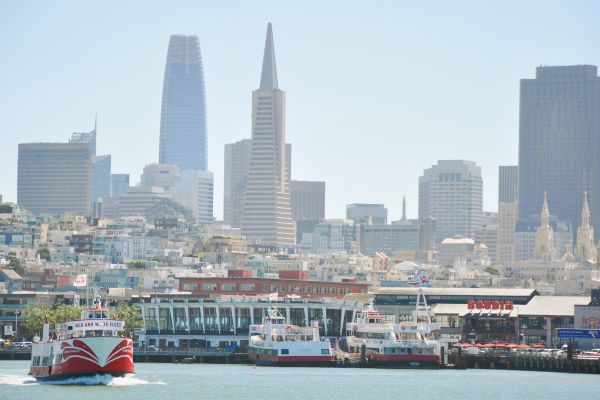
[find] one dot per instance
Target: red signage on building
(489, 305)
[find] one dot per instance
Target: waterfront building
(119, 184)
(101, 177)
(267, 216)
(559, 144)
(183, 132)
(508, 183)
(183, 320)
(360, 213)
(55, 178)
(335, 235)
(194, 190)
(586, 246)
(452, 193)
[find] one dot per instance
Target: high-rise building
(559, 142)
(508, 183)
(373, 214)
(119, 184)
(267, 213)
(161, 175)
(308, 206)
(194, 191)
(101, 177)
(55, 177)
(452, 193)
(86, 137)
(388, 239)
(507, 221)
(308, 200)
(334, 235)
(183, 116)
(237, 167)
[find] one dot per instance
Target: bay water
(218, 381)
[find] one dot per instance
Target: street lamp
(16, 323)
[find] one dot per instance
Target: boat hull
(82, 357)
(414, 361)
(290, 361)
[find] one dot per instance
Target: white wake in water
(81, 381)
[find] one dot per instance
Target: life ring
(354, 328)
(253, 328)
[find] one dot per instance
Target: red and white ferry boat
(409, 344)
(277, 343)
(89, 346)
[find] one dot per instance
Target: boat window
(285, 351)
(104, 314)
(325, 351)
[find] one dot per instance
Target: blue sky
(376, 91)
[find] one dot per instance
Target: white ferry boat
(89, 346)
(277, 343)
(409, 344)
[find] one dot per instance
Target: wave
(101, 379)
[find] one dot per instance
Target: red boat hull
(85, 357)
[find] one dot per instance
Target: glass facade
(183, 117)
(559, 142)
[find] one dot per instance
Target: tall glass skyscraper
(559, 142)
(183, 115)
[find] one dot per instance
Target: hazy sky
(376, 91)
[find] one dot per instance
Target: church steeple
(585, 248)
(544, 239)
(268, 78)
(545, 217)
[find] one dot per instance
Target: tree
(34, 317)
(5, 209)
(44, 253)
(492, 271)
(132, 316)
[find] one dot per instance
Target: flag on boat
(273, 296)
(80, 280)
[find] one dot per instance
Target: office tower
(119, 184)
(559, 142)
(371, 214)
(452, 193)
(308, 200)
(194, 191)
(404, 236)
(337, 235)
(55, 177)
(487, 234)
(267, 213)
(86, 137)
(161, 175)
(237, 167)
(308, 206)
(101, 177)
(507, 221)
(508, 184)
(183, 115)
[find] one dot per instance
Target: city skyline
(458, 134)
